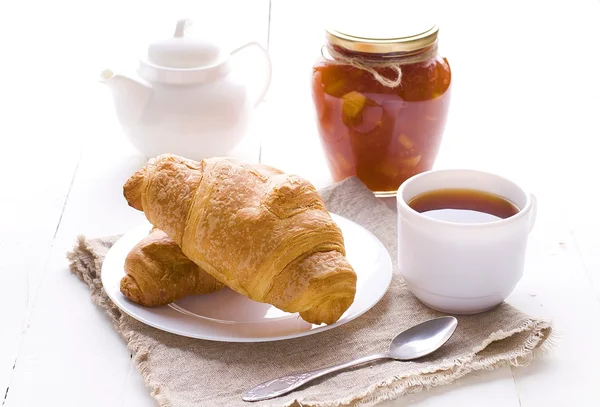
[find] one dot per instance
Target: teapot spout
(130, 95)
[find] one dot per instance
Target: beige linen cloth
(184, 372)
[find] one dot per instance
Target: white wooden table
(525, 104)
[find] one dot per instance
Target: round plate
(227, 316)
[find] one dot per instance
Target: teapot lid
(183, 59)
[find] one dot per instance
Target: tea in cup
(462, 238)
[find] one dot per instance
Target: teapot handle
(269, 69)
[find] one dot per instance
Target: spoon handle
(283, 385)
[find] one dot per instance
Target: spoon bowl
(422, 339)
(413, 343)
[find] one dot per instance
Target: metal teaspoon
(415, 342)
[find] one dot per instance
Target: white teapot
(186, 100)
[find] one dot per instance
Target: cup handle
(267, 83)
(533, 211)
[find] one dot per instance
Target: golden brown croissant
(158, 273)
(264, 234)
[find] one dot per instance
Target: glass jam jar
(381, 105)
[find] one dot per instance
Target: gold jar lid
(383, 38)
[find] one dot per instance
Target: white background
(525, 104)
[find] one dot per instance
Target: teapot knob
(181, 26)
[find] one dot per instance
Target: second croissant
(158, 273)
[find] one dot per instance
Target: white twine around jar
(370, 65)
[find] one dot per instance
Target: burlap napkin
(186, 372)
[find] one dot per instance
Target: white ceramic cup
(462, 268)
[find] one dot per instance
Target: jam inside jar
(382, 134)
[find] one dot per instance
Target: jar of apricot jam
(381, 105)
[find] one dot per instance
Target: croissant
(264, 234)
(158, 273)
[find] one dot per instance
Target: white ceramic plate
(227, 316)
